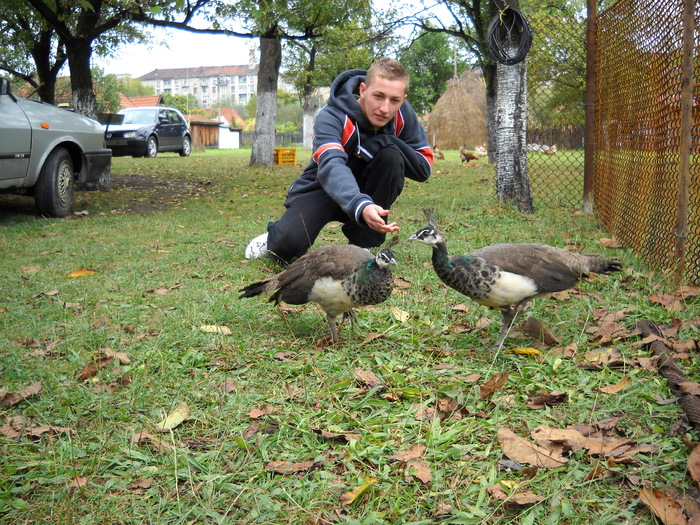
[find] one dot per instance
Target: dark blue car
(146, 131)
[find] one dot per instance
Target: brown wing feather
(552, 269)
(295, 283)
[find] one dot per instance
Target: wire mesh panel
(556, 67)
(638, 152)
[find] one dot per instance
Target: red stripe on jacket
(398, 123)
(326, 147)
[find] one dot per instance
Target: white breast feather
(510, 288)
(329, 295)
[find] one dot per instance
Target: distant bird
(337, 278)
(466, 155)
(506, 277)
(481, 151)
(438, 154)
(550, 150)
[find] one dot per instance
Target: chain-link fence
(556, 66)
(647, 174)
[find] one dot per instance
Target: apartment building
(209, 85)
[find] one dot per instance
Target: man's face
(381, 99)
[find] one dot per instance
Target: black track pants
(307, 213)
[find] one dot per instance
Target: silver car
(47, 151)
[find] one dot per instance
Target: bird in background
(506, 277)
(465, 155)
(337, 278)
(481, 151)
(437, 153)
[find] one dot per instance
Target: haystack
(459, 116)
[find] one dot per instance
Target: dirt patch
(148, 192)
(131, 193)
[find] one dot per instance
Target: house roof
(131, 102)
(196, 72)
(202, 121)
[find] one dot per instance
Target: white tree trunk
(310, 108)
(512, 181)
(263, 150)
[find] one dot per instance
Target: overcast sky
(184, 49)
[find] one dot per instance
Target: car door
(166, 135)
(179, 127)
(15, 139)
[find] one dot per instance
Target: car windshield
(142, 116)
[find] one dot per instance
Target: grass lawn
(128, 312)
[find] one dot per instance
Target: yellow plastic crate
(285, 156)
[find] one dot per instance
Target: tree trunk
(512, 181)
(310, 108)
(490, 81)
(263, 150)
(47, 64)
(79, 53)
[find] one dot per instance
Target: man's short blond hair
(389, 69)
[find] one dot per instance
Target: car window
(163, 116)
(175, 117)
(143, 116)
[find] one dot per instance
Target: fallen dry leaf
(537, 330)
(158, 444)
(372, 337)
(419, 468)
(119, 356)
(287, 467)
(349, 497)
(81, 272)
(214, 329)
(227, 386)
(663, 506)
(614, 389)
(694, 464)
(90, 369)
(260, 412)
(612, 242)
(493, 384)
(417, 450)
(79, 482)
(669, 301)
(399, 314)
(175, 418)
(519, 498)
(543, 399)
(367, 377)
(525, 351)
(8, 399)
(345, 436)
(523, 451)
(689, 387)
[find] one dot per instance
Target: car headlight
(130, 134)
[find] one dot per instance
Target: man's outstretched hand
(373, 216)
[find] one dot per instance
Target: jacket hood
(344, 94)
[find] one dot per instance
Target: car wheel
(186, 147)
(55, 187)
(151, 147)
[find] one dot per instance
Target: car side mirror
(4, 86)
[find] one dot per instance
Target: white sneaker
(257, 247)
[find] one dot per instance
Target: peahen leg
(334, 329)
(508, 318)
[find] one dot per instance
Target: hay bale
(459, 116)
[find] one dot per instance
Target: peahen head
(385, 256)
(429, 234)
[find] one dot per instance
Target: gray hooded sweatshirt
(341, 130)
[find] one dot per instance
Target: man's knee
(286, 244)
